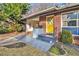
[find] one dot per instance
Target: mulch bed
(16, 45)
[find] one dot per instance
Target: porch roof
(53, 10)
(41, 12)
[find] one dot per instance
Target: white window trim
(65, 20)
(70, 26)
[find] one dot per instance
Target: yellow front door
(49, 24)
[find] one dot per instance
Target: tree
(13, 11)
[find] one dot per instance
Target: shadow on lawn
(16, 45)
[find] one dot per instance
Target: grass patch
(21, 49)
(66, 50)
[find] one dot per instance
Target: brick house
(53, 20)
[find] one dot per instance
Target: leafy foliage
(12, 13)
(55, 50)
(66, 36)
(19, 27)
(4, 28)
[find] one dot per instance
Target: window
(69, 19)
(70, 22)
(65, 23)
(50, 21)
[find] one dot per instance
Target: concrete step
(39, 44)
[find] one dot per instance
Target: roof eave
(41, 12)
(52, 9)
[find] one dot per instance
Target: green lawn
(26, 50)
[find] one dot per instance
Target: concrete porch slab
(39, 44)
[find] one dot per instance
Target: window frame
(77, 25)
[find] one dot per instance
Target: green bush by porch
(66, 36)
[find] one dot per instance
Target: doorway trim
(52, 24)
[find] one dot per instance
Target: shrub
(4, 29)
(19, 27)
(55, 50)
(66, 36)
(9, 29)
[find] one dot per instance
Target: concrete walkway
(39, 44)
(11, 40)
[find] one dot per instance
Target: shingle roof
(51, 9)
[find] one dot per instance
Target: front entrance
(49, 24)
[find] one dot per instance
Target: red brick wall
(42, 21)
(57, 25)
